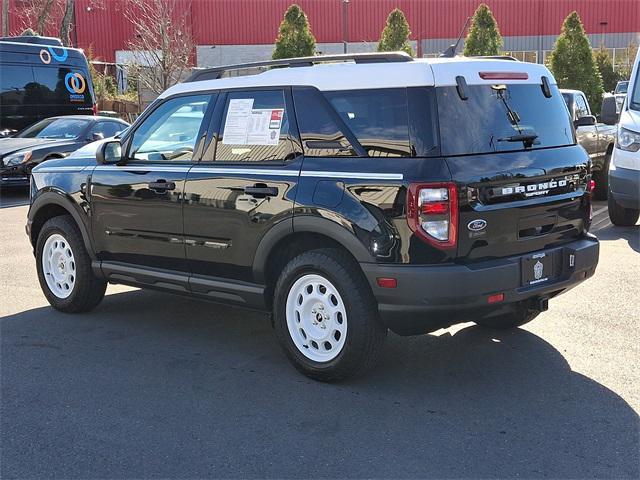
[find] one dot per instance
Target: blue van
(39, 78)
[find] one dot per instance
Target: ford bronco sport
(347, 195)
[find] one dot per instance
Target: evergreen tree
(609, 76)
(484, 37)
(572, 62)
(395, 35)
(294, 36)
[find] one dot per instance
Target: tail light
(432, 213)
(94, 108)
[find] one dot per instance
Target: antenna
(450, 52)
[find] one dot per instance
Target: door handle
(261, 190)
(162, 186)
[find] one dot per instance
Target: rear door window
(378, 118)
(500, 118)
(254, 128)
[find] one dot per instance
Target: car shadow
(151, 385)
(630, 234)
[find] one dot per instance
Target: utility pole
(5, 18)
(345, 24)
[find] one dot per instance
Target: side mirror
(586, 121)
(109, 152)
(97, 136)
(609, 113)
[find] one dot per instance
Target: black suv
(348, 195)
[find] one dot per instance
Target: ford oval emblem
(477, 225)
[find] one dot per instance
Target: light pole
(604, 27)
(345, 24)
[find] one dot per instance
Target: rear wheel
(505, 321)
(64, 267)
(620, 216)
(325, 316)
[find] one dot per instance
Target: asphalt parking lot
(151, 385)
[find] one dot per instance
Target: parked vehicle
(624, 171)
(595, 137)
(51, 138)
(349, 195)
(41, 79)
(620, 93)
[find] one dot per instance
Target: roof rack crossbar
(378, 57)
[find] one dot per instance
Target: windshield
(58, 128)
(634, 98)
(622, 87)
(500, 118)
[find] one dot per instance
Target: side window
(378, 118)
(62, 85)
(321, 135)
(581, 107)
(171, 131)
(254, 127)
(16, 86)
(422, 121)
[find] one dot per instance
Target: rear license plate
(537, 268)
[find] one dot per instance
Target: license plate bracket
(537, 268)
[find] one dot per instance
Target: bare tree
(162, 45)
(36, 14)
(66, 25)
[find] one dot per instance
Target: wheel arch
(284, 242)
(53, 204)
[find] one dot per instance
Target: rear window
(501, 118)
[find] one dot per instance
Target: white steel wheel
(316, 318)
(59, 266)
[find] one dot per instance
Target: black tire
(620, 216)
(514, 319)
(365, 333)
(88, 290)
(602, 180)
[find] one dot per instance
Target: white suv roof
(352, 76)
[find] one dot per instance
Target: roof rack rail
(217, 72)
(498, 57)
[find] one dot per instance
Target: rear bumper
(430, 297)
(624, 184)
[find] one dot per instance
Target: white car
(624, 170)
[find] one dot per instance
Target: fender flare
(60, 199)
(307, 224)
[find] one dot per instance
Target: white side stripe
(357, 175)
(140, 168)
(76, 168)
(245, 171)
(233, 171)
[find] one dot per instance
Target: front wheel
(325, 316)
(64, 267)
(620, 216)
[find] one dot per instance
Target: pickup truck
(595, 137)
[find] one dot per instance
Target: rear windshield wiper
(526, 138)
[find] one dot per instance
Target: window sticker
(236, 124)
(245, 125)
